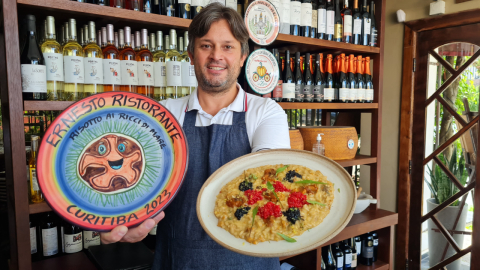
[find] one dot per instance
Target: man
(221, 123)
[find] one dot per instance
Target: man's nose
(216, 53)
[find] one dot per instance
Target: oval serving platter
(263, 22)
(340, 214)
(112, 159)
(262, 71)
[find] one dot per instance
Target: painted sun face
(111, 163)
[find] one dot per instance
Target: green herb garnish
(288, 239)
(253, 176)
(254, 213)
(271, 188)
(314, 202)
(281, 169)
(310, 182)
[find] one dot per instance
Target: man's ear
(191, 57)
(242, 61)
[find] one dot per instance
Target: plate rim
(155, 213)
(248, 29)
(286, 253)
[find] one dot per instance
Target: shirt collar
(238, 105)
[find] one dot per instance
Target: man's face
(218, 58)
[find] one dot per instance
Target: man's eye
(206, 46)
(228, 47)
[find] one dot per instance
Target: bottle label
(354, 260)
(54, 63)
(366, 26)
(277, 92)
(174, 73)
(285, 14)
(347, 25)
(348, 259)
(111, 72)
(185, 1)
(34, 78)
(50, 241)
(188, 75)
(314, 18)
(288, 90)
(73, 242)
(145, 73)
(340, 263)
(308, 92)
(160, 74)
(33, 240)
(231, 4)
(359, 247)
(129, 69)
(33, 178)
(73, 66)
(197, 3)
(318, 92)
(93, 70)
(373, 38)
(338, 31)
(368, 94)
(368, 253)
(295, 12)
(375, 242)
(306, 13)
(329, 94)
(322, 21)
(330, 22)
(343, 94)
(278, 6)
(299, 92)
(90, 238)
(357, 26)
(352, 94)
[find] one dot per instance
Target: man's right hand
(132, 235)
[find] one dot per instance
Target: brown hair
(214, 12)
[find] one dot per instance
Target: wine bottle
(323, 266)
(159, 69)
(33, 69)
(366, 23)
(358, 247)
(338, 255)
(322, 20)
(375, 246)
(319, 85)
(330, 31)
(373, 27)
(103, 42)
(93, 64)
(288, 85)
(189, 81)
(329, 91)
(347, 23)
(180, 45)
(343, 86)
(285, 17)
(147, 6)
(49, 237)
(357, 24)
(172, 59)
(115, 40)
(279, 7)
(197, 6)
(128, 64)
(121, 39)
(52, 53)
(368, 81)
(72, 238)
(347, 252)
(99, 37)
(34, 247)
(352, 82)
(306, 18)
(144, 60)
(168, 8)
(117, 3)
(138, 41)
(295, 17)
(151, 43)
(82, 36)
(298, 79)
(183, 9)
(90, 238)
(136, 5)
(102, 2)
(354, 254)
(367, 250)
(308, 81)
(338, 31)
(156, 7)
(73, 64)
(330, 259)
(360, 81)
(36, 195)
(277, 92)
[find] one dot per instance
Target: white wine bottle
(189, 81)
(73, 65)
(52, 53)
(172, 59)
(159, 69)
(93, 64)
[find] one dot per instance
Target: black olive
(245, 185)
(292, 214)
(241, 211)
(290, 175)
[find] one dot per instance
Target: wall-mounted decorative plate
(263, 22)
(262, 71)
(112, 159)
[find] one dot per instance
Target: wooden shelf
(367, 221)
(36, 208)
(358, 160)
(378, 265)
(75, 261)
(328, 106)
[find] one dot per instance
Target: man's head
(218, 46)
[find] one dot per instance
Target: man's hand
(123, 234)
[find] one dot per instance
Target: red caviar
(297, 200)
(279, 187)
(269, 209)
(253, 196)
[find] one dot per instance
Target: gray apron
(181, 241)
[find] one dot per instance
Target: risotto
(288, 200)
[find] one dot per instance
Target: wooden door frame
(412, 29)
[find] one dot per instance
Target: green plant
(441, 186)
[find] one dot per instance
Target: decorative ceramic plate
(263, 22)
(112, 159)
(262, 71)
(340, 214)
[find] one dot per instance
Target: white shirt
(266, 122)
